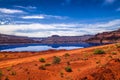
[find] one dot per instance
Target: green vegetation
(42, 60)
(42, 67)
(114, 53)
(9, 68)
(66, 54)
(56, 60)
(68, 69)
(99, 51)
(47, 64)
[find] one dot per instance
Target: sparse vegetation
(68, 69)
(66, 54)
(97, 62)
(118, 45)
(13, 73)
(9, 68)
(61, 74)
(99, 51)
(42, 60)
(42, 67)
(47, 64)
(114, 53)
(56, 60)
(1, 73)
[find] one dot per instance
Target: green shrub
(42, 67)
(99, 51)
(68, 69)
(9, 68)
(56, 60)
(42, 60)
(114, 53)
(47, 64)
(66, 54)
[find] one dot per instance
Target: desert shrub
(13, 73)
(97, 62)
(1, 73)
(56, 60)
(9, 68)
(66, 54)
(42, 60)
(47, 64)
(61, 74)
(68, 69)
(42, 67)
(99, 51)
(6, 78)
(114, 53)
(118, 45)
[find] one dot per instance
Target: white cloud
(44, 30)
(27, 7)
(33, 17)
(10, 11)
(44, 16)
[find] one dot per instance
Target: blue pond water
(43, 47)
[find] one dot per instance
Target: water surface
(43, 47)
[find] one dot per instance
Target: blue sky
(42, 18)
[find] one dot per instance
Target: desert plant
(61, 74)
(9, 68)
(6, 78)
(118, 45)
(99, 51)
(66, 54)
(56, 60)
(42, 67)
(1, 73)
(114, 53)
(68, 69)
(42, 60)
(47, 64)
(13, 73)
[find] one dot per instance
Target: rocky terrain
(94, 63)
(55, 39)
(11, 39)
(106, 37)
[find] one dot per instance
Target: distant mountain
(106, 37)
(11, 39)
(55, 39)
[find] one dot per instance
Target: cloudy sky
(42, 18)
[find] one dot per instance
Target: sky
(43, 18)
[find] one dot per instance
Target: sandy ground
(84, 63)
